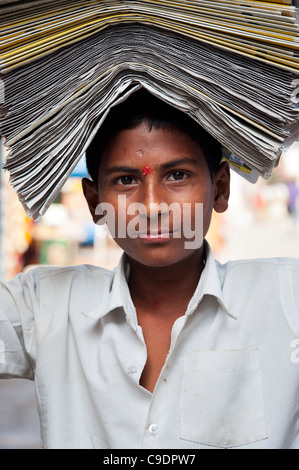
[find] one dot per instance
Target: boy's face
(152, 168)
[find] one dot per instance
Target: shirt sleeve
(18, 304)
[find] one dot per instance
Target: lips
(155, 235)
(152, 237)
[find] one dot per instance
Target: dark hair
(143, 106)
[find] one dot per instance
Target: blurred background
(262, 221)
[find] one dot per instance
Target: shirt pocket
(222, 398)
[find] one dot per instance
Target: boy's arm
(18, 301)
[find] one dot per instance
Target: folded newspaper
(233, 66)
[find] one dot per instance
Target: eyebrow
(181, 161)
(121, 169)
(164, 166)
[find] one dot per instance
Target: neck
(168, 287)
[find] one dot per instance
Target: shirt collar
(209, 284)
(119, 295)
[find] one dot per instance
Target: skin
(164, 274)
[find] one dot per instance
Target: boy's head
(150, 158)
(140, 107)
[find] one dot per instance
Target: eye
(178, 176)
(125, 180)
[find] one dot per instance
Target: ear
(92, 197)
(222, 187)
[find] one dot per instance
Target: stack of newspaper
(231, 65)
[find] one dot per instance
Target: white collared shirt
(231, 378)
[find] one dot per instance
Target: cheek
(200, 213)
(127, 218)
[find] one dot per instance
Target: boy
(172, 349)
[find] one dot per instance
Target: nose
(152, 199)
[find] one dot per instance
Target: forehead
(150, 146)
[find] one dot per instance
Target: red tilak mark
(147, 170)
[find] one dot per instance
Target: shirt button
(132, 370)
(153, 429)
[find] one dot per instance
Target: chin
(162, 260)
(158, 255)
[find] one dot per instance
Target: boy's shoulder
(45, 271)
(258, 262)
(249, 273)
(262, 288)
(62, 275)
